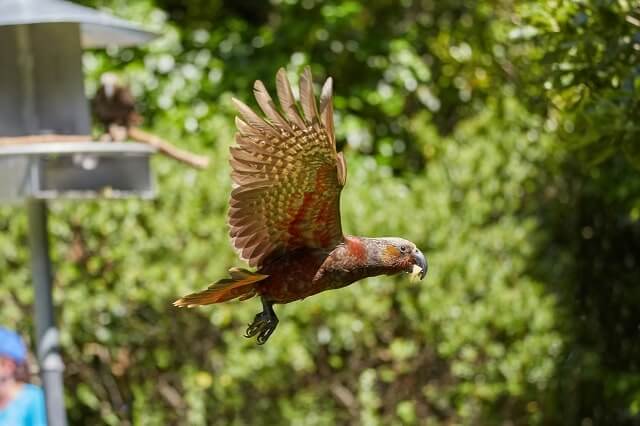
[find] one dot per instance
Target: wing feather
(252, 119)
(307, 98)
(268, 106)
(286, 173)
(326, 108)
(287, 102)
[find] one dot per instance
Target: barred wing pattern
(286, 173)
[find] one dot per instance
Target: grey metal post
(41, 91)
(51, 365)
(49, 358)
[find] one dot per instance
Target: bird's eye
(404, 249)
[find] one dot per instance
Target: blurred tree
(582, 70)
(579, 70)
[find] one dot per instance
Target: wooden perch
(167, 148)
(133, 133)
(32, 139)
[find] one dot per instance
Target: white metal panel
(76, 170)
(99, 29)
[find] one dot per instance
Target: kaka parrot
(114, 107)
(284, 212)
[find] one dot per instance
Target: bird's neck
(365, 255)
(357, 249)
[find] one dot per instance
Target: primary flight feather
(284, 211)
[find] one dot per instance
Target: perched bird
(114, 107)
(285, 209)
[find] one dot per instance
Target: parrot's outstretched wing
(286, 172)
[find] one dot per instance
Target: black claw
(257, 325)
(264, 324)
(267, 330)
(253, 329)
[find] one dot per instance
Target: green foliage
(453, 140)
(581, 74)
(583, 56)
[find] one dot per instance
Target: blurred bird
(285, 209)
(114, 107)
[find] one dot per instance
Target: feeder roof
(98, 29)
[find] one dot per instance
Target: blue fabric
(26, 409)
(12, 346)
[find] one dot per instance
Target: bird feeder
(42, 93)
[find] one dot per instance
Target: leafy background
(500, 136)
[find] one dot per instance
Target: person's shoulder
(27, 408)
(32, 389)
(32, 392)
(35, 405)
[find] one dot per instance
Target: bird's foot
(106, 137)
(118, 133)
(263, 325)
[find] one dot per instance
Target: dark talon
(267, 330)
(257, 324)
(264, 323)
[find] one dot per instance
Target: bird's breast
(300, 274)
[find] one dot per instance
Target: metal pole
(51, 365)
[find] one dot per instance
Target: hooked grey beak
(420, 260)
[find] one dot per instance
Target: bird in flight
(284, 211)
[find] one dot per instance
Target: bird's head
(109, 82)
(402, 255)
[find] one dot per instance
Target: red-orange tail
(241, 284)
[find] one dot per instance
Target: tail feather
(241, 285)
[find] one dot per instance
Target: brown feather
(252, 119)
(307, 98)
(326, 109)
(268, 106)
(245, 130)
(240, 283)
(342, 169)
(286, 186)
(288, 103)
